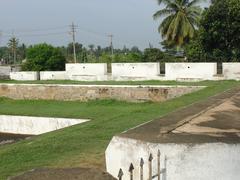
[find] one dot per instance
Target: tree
(219, 32)
(194, 51)
(22, 51)
(135, 49)
(4, 55)
(44, 57)
(13, 45)
(181, 18)
(152, 55)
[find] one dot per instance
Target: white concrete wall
(23, 76)
(199, 71)
(87, 69)
(135, 69)
(34, 125)
(231, 71)
(5, 70)
(53, 75)
(215, 161)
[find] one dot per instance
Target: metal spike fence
(150, 169)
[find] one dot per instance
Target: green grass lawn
(84, 145)
(151, 82)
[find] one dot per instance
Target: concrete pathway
(214, 120)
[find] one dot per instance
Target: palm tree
(181, 18)
(13, 45)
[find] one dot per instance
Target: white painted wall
(231, 71)
(23, 76)
(215, 161)
(201, 71)
(5, 70)
(34, 125)
(87, 69)
(53, 75)
(135, 69)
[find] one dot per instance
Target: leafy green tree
(84, 57)
(44, 57)
(22, 51)
(181, 18)
(194, 51)
(220, 30)
(153, 55)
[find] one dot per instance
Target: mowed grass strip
(84, 145)
(69, 82)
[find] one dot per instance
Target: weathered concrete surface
(28, 125)
(53, 75)
(191, 71)
(218, 118)
(24, 76)
(135, 69)
(94, 92)
(86, 71)
(231, 71)
(201, 141)
(5, 72)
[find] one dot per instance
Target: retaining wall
(231, 71)
(213, 161)
(94, 92)
(34, 125)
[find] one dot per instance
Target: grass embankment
(84, 145)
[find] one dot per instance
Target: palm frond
(163, 28)
(164, 1)
(195, 2)
(162, 12)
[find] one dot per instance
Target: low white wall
(199, 71)
(86, 69)
(135, 69)
(53, 75)
(231, 71)
(5, 70)
(215, 161)
(34, 125)
(24, 76)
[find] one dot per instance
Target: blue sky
(37, 21)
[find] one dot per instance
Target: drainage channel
(6, 138)
(15, 128)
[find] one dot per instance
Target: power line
(35, 35)
(36, 30)
(27, 33)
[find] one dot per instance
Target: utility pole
(73, 31)
(111, 44)
(0, 37)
